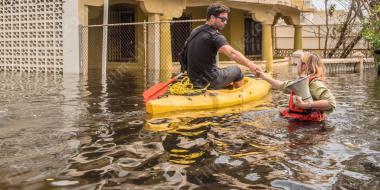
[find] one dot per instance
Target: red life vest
(300, 114)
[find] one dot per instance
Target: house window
(252, 38)
(121, 39)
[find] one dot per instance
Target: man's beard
(219, 27)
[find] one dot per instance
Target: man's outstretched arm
(239, 58)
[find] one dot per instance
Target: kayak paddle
(159, 89)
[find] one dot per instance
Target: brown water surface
(65, 132)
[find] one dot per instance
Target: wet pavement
(66, 132)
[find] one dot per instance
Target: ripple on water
(253, 149)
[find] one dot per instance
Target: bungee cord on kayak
(185, 87)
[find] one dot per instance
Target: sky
(340, 4)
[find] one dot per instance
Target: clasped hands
(255, 69)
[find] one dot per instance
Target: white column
(153, 48)
(154, 42)
(71, 62)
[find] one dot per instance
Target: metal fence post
(105, 38)
(145, 54)
(81, 49)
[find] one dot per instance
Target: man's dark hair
(216, 9)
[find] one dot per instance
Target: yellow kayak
(164, 121)
(253, 89)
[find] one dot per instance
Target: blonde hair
(313, 65)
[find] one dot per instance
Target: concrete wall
(65, 20)
(196, 13)
(71, 22)
(313, 38)
(36, 37)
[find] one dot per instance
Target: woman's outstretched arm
(275, 83)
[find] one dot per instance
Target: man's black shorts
(225, 76)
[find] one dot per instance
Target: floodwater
(64, 132)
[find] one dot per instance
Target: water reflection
(238, 150)
(187, 144)
(110, 143)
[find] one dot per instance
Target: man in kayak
(203, 45)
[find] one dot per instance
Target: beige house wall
(313, 37)
(314, 31)
(235, 31)
(67, 58)
(261, 11)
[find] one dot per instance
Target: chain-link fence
(152, 47)
(313, 39)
